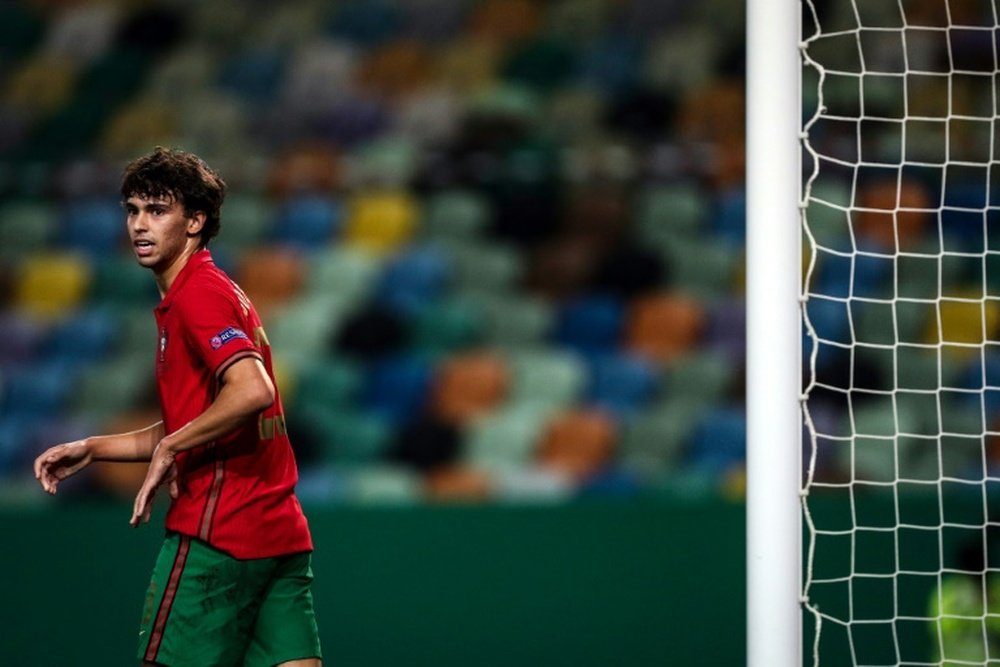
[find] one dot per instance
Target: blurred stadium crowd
(497, 244)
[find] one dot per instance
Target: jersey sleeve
(217, 330)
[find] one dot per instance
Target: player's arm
(61, 461)
(245, 391)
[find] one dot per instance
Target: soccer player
(232, 583)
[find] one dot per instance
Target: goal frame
(774, 416)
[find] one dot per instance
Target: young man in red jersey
(232, 583)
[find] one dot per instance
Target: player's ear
(195, 223)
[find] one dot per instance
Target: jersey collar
(196, 261)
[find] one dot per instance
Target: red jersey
(238, 492)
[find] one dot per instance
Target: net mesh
(901, 306)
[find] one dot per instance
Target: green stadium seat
(327, 382)
(669, 212)
(699, 379)
(349, 272)
(247, 219)
(654, 441)
(119, 279)
(301, 331)
(346, 437)
(453, 323)
(485, 267)
(459, 215)
(507, 438)
(115, 387)
(26, 225)
(547, 376)
(703, 268)
(383, 484)
(515, 321)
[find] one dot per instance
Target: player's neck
(165, 278)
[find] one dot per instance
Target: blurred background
(498, 249)
(497, 245)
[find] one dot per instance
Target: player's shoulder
(209, 283)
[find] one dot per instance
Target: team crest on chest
(163, 343)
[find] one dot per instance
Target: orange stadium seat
(578, 443)
(469, 385)
(664, 327)
(270, 277)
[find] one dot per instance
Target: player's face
(160, 231)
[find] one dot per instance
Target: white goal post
(773, 334)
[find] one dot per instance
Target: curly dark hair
(181, 176)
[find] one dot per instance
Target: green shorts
(204, 607)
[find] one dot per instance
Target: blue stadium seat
(591, 324)
(622, 383)
(95, 226)
(23, 338)
(87, 335)
(719, 442)
(39, 390)
(414, 279)
(396, 388)
(307, 222)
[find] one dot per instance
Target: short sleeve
(216, 329)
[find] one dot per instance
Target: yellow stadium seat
(381, 221)
(48, 285)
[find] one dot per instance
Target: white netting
(901, 304)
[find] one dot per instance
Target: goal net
(901, 306)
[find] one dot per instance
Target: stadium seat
(24, 338)
(668, 212)
(578, 443)
(381, 222)
(622, 384)
(327, 382)
(719, 441)
(547, 376)
(26, 226)
(395, 69)
(307, 221)
(729, 220)
(397, 388)
(300, 330)
(725, 332)
(458, 484)
(271, 277)
(459, 215)
(485, 267)
(313, 169)
(505, 440)
(655, 441)
(114, 387)
(700, 379)
(591, 324)
(468, 63)
(119, 279)
(350, 273)
(86, 335)
(505, 20)
(415, 278)
(347, 437)
(135, 127)
(704, 268)
(93, 226)
(253, 74)
(469, 385)
(880, 223)
(50, 284)
(383, 484)
(41, 84)
(365, 22)
(664, 327)
(41, 389)
(516, 320)
(452, 324)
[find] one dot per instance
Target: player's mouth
(143, 247)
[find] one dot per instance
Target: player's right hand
(57, 463)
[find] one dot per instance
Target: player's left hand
(161, 471)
